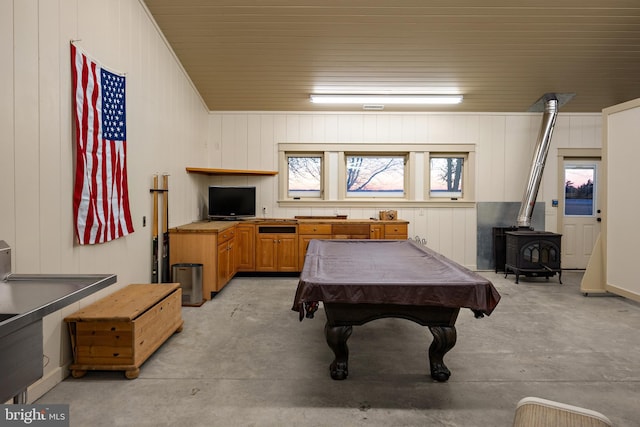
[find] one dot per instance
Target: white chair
(536, 412)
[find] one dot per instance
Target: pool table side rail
(435, 281)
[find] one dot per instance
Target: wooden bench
(120, 331)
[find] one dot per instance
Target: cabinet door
(223, 265)
(233, 258)
(287, 248)
(266, 252)
(246, 247)
(376, 231)
(276, 252)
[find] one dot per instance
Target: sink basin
(4, 316)
(46, 293)
(20, 360)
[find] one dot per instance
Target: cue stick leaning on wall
(154, 241)
(166, 276)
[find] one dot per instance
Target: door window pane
(446, 176)
(375, 176)
(578, 189)
(304, 176)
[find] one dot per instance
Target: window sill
(377, 203)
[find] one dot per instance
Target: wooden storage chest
(120, 332)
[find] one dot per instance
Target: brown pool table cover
(389, 272)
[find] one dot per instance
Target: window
(375, 176)
(578, 189)
(446, 176)
(331, 175)
(304, 174)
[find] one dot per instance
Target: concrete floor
(244, 359)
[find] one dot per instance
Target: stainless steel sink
(24, 300)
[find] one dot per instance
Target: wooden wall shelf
(214, 171)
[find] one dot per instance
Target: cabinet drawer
(395, 229)
(350, 229)
(226, 235)
(314, 229)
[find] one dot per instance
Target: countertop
(216, 226)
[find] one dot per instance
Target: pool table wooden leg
(337, 339)
(444, 338)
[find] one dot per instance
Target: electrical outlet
(264, 210)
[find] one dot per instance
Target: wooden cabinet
(274, 245)
(308, 232)
(197, 248)
(277, 248)
(211, 244)
(246, 247)
(347, 229)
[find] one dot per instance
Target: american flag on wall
(100, 196)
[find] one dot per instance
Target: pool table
(358, 281)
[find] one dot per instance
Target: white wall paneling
(167, 126)
(622, 201)
(26, 133)
(7, 114)
(504, 146)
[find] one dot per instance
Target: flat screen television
(232, 202)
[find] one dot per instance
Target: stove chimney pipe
(539, 159)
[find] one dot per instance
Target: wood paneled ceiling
(502, 55)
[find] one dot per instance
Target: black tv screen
(232, 202)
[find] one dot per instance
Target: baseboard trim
(47, 382)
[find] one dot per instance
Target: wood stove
(529, 252)
(533, 254)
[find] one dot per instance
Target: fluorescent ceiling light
(396, 99)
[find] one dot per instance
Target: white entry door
(581, 212)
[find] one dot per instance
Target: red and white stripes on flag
(100, 196)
